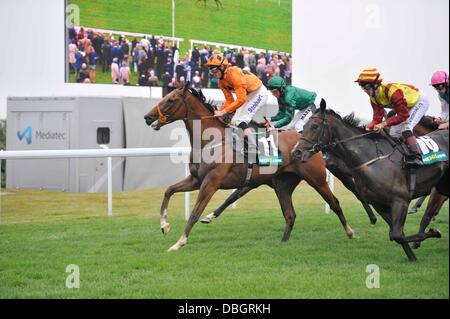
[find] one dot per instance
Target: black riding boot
(414, 159)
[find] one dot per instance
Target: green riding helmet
(276, 82)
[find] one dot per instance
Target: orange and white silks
(240, 82)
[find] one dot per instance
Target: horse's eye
(314, 126)
(170, 101)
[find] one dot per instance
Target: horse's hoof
(435, 233)
(165, 229)
(206, 220)
(415, 245)
(173, 248)
(412, 211)
(177, 246)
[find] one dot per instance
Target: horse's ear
(187, 85)
(177, 84)
(313, 108)
(323, 106)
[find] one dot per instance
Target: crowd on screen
(158, 62)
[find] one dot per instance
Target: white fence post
(187, 195)
(109, 181)
(330, 181)
(234, 203)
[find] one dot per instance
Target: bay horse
(378, 168)
(335, 165)
(189, 105)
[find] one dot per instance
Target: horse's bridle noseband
(164, 118)
(318, 146)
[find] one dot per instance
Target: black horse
(377, 163)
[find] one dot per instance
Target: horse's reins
(318, 146)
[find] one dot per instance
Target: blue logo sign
(27, 134)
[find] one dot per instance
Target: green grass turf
(239, 255)
(260, 24)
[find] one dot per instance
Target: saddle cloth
(431, 153)
(267, 146)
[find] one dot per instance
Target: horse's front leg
(188, 184)
(209, 186)
(399, 210)
(348, 182)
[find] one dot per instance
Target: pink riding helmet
(439, 77)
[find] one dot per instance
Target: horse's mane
(352, 122)
(201, 97)
(349, 120)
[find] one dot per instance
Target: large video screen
(164, 42)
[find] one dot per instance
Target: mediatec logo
(49, 135)
(26, 133)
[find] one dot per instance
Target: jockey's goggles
(440, 86)
(214, 69)
(365, 85)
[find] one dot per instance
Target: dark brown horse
(190, 106)
(378, 168)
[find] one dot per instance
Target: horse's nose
(148, 119)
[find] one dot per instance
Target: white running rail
(104, 152)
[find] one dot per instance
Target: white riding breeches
(255, 102)
(415, 114)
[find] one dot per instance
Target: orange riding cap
(242, 83)
(216, 59)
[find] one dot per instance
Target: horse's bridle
(162, 118)
(318, 146)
